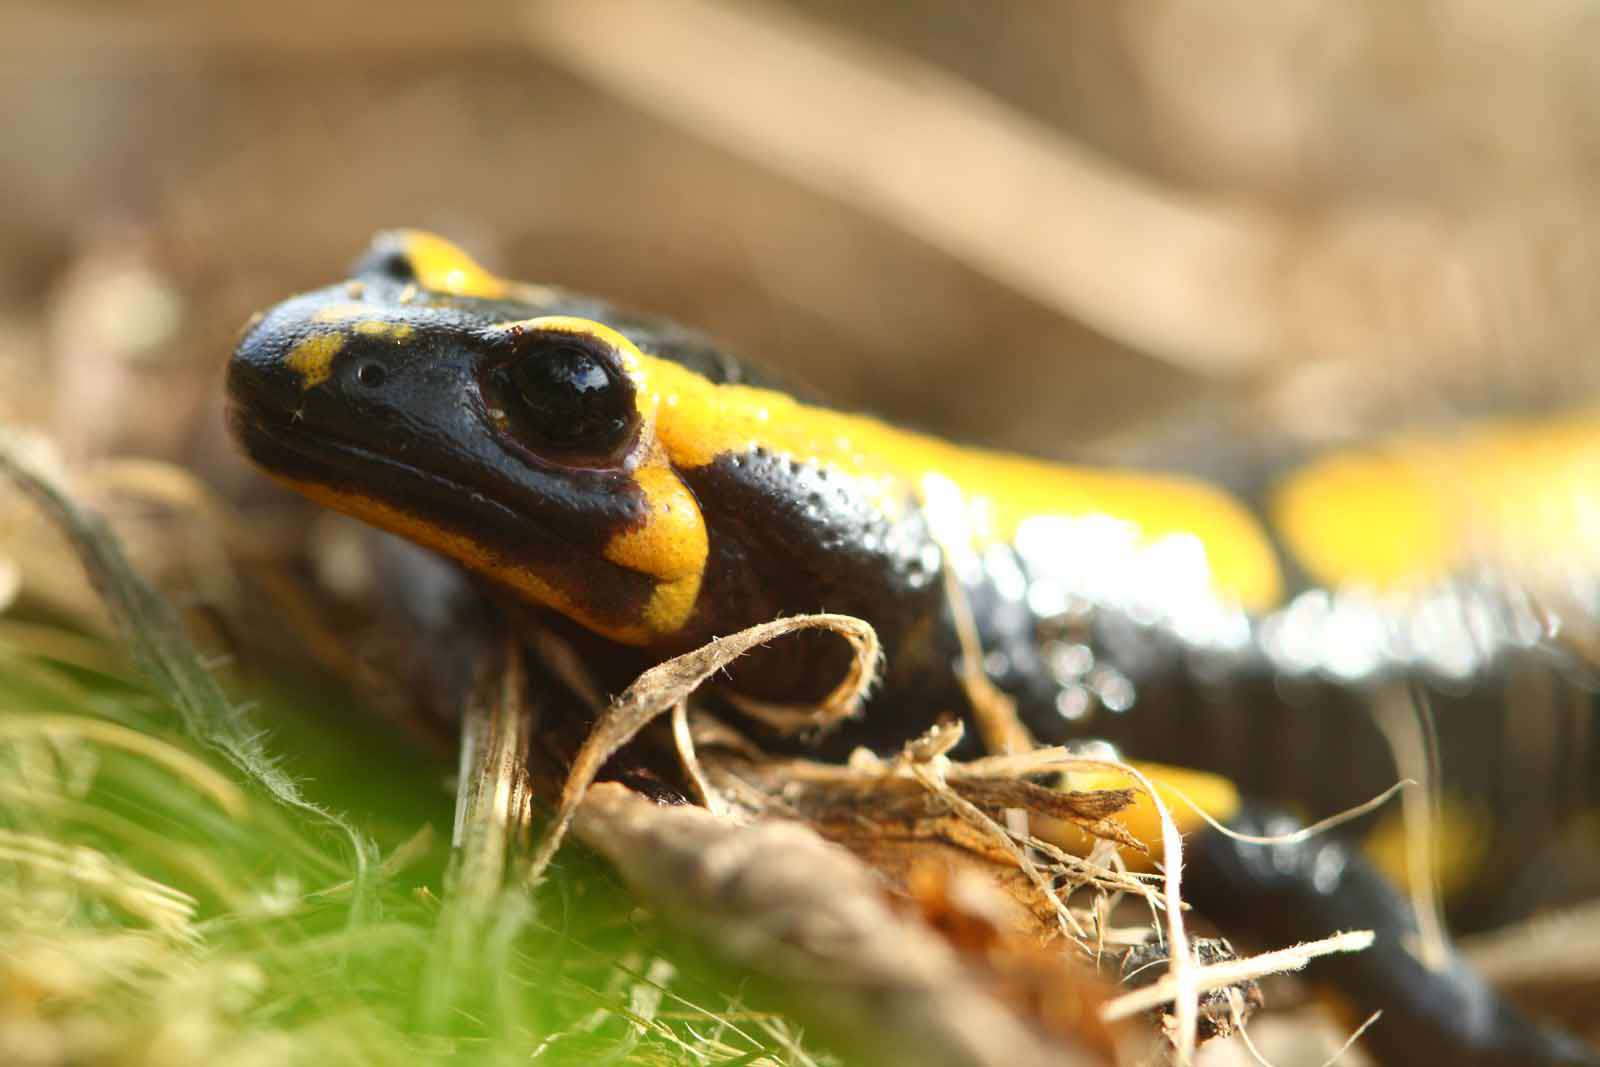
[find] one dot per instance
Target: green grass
(160, 905)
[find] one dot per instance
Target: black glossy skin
(1285, 894)
(787, 538)
(790, 539)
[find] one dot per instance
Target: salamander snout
(259, 376)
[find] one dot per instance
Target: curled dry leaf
(663, 687)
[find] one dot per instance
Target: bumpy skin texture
(725, 504)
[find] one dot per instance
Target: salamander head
(431, 399)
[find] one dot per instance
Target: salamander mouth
(294, 451)
(447, 514)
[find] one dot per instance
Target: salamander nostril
(371, 374)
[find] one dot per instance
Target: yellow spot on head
(670, 545)
(443, 268)
(364, 324)
(398, 332)
(341, 312)
(312, 358)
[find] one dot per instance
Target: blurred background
(1041, 226)
(1213, 233)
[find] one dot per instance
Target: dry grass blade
(1090, 808)
(994, 714)
(659, 689)
(166, 909)
(492, 794)
(154, 634)
(491, 818)
(1404, 714)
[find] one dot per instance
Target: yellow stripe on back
(697, 420)
(1521, 495)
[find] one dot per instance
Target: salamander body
(649, 491)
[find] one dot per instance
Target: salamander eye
(371, 373)
(562, 393)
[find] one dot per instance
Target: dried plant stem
(492, 794)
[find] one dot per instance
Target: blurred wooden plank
(932, 154)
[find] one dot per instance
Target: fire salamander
(649, 492)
